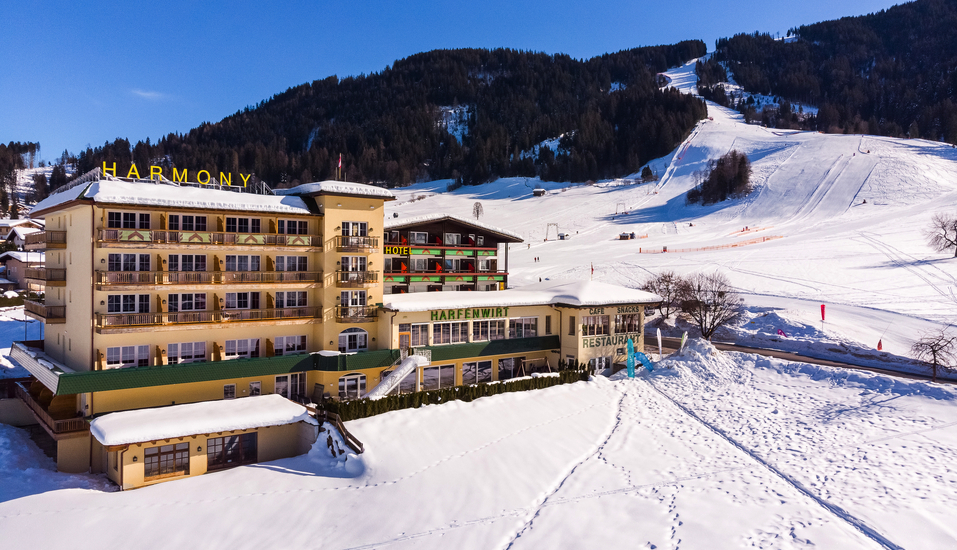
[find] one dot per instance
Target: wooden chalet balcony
(47, 276)
(55, 425)
(120, 237)
(52, 315)
(107, 322)
(356, 314)
(43, 240)
(155, 278)
(356, 279)
(356, 244)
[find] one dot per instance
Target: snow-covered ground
(711, 450)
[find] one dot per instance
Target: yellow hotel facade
(166, 302)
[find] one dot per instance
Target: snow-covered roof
(398, 223)
(338, 188)
(110, 191)
(22, 232)
(33, 257)
(123, 428)
(21, 221)
(576, 294)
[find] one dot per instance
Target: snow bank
(122, 428)
(173, 196)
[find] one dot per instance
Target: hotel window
(420, 335)
(627, 323)
(242, 300)
(477, 372)
(488, 330)
(571, 325)
(512, 367)
(292, 263)
(355, 229)
(242, 263)
(166, 461)
(418, 237)
(238, 349)
(128, 262)
(229, 391)
(450, 333)
(453, 239)
(293, 227)
(186, 352)
(192, 301)
(354, 263)
(242, 225)
(453, 264)
(548, 324)
(594, 325)
(523, 327)
(128, 303)
(480, 241)
(485, 265)
(436, 378)
(127, 220)
(291, 386)
(128, 356)
(353, 339)
(290, 299)
(233, 450)
(187, 262)
(420, 264)
(179, 222)
(255, 388)
(290, 345)
(352, 386)
(352, 298)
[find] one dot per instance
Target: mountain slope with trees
(891, 73)
(391, 127)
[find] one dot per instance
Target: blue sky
(79, 73)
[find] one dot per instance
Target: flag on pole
(781, 332)
(822, 312)
(593, 268)
(659, 344)
(340, 160)
(879, 346)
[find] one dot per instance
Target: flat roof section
(126, 427)
(555, 293)
(330, 187)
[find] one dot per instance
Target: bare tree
(942, 233)
(670, 286)
(935, 348)
(477, 210)
(711, 301)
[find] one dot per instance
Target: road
(674, 343)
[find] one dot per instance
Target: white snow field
(712, 450)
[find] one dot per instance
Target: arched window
(353, 339)
(352, 386)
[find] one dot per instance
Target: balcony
(356, 279)
(356, 314)
(55, 425)
(201, 239)
(46, 276)
(114, 279)
(136, 322)
(356, 244)
(44, 240)
(51, 315)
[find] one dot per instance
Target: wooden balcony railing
(356, 314)
(356, 244)
(56, 426)
(109, 236)
(43, 240)
(45, 313)
(119, 278)
(115, 320)
(50, 276)
(356, 279)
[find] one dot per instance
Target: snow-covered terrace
(126, 427)
(557, 293)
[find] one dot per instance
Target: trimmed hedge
(362, 408)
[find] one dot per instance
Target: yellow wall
(273, 442)
(73, 454)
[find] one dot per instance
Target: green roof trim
(145, 377)
(357, 361)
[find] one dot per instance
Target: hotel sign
(469, 313)
(618, 340)
(203, 176)
(398, 250)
